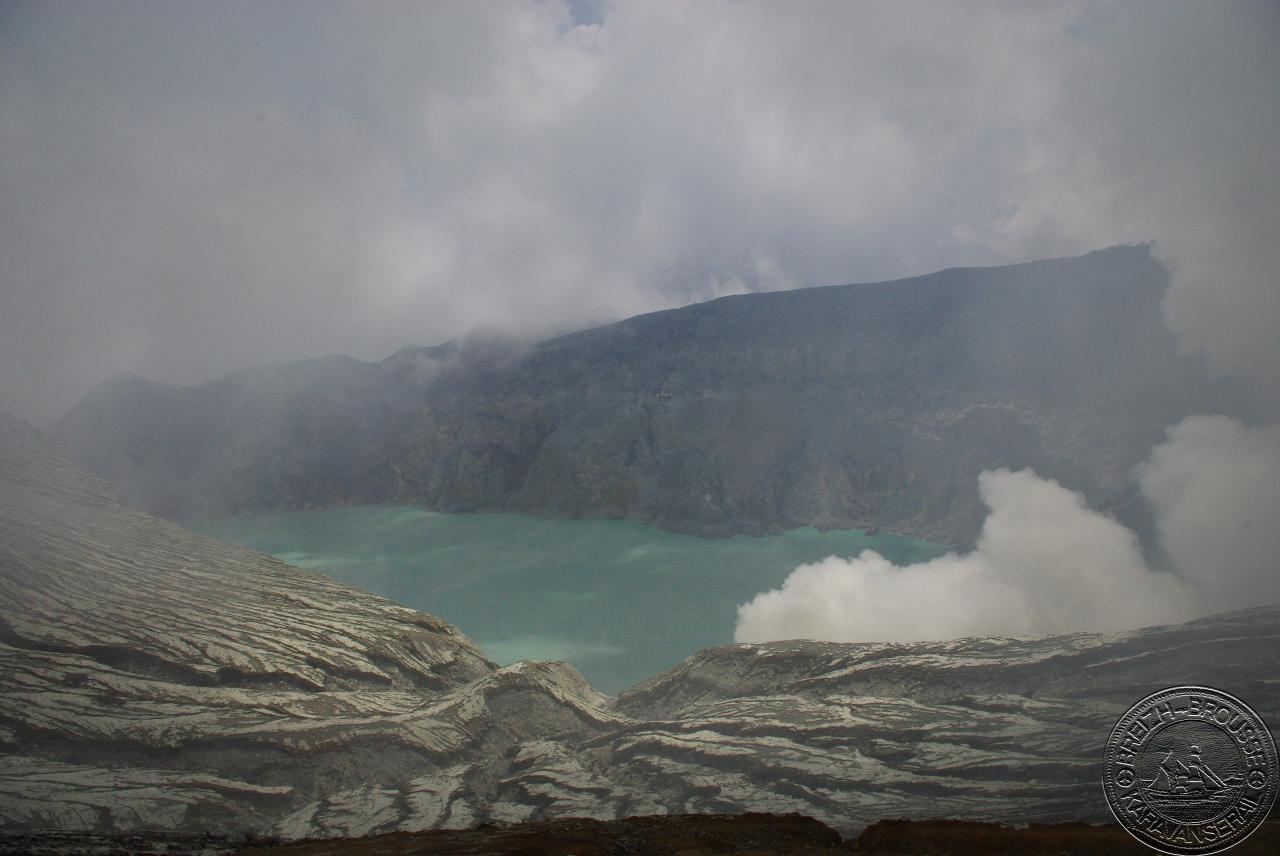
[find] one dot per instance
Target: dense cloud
(1215, 489)
(1046, 563)
(191, 189)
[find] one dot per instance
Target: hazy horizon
(194, 190)
(492, 332)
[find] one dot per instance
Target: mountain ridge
(854, 406)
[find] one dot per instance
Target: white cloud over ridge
(419, 170)
(1045, 563)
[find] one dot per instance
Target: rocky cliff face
(849, 406)
(151, 678)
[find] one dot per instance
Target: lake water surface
(620, 600)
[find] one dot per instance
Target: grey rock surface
(847, 406)
(155, 679)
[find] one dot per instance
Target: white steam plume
(1046, 563)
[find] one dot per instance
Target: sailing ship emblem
(1190, 770)
(1189, 783)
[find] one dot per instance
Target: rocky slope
(848, 406)
(155, 679)
(753, 835)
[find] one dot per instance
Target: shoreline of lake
(619, 599)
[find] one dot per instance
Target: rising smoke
(1046, 563)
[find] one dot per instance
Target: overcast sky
(187, 189)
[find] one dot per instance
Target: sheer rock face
(155, 679)
(848, 406)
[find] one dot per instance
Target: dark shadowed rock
(849, 406)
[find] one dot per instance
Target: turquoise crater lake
(620, 600)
